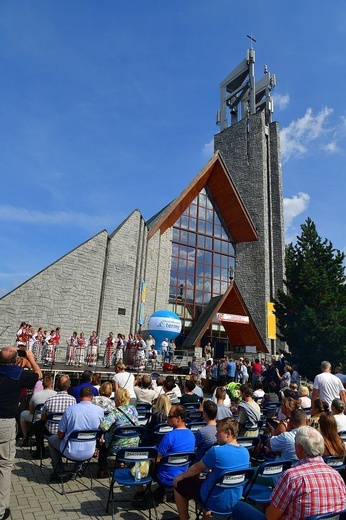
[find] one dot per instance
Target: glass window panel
(189, 295)
(188, 323)
(190, 267)
(222, 328)
(216, 287)
(224, 234)
(209, 203)
(207, 297)
(208, 243)
(193, 210)
(172, 293)
(201, 226)
(217, 220)
(199, 296)
(209, 229)
(174, 262)
(202, 199)
(175, 234)
(175, 249)
(183, 237)
(208, 257)
(201, 213)
(231, 249)
(182, 265)
(190, 281)
(174, 278)
(199, 283)
(224, 286)
(215, 326)
(193, 224)
(201, 241)
(200, 255)
(184, 221)
(216, 273)
(210, 215)
(217, 259)
(192, 239)
(224, 247)
(225, 261)
(217, 245)
(217, 231)
(224, 275)
(207, 271)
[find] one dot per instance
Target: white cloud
(294, 207)
(208, 148)
(61, 218)
(281, 101)
(331, 147)
(301, 133)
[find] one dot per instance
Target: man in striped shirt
(56, 404)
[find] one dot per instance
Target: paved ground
(32, 498)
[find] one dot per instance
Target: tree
(311, 311)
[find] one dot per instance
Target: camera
(21, 352)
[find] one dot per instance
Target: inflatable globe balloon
(164, 324)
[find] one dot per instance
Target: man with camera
(13, 378)
(144, 390)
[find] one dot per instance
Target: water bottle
(138, 475)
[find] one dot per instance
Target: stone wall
(66, 294)
(252, 154)
(158, 273)
(124, 272)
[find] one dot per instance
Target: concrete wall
(252, 155)
(158, 273)
(124, 272)
(66, 294)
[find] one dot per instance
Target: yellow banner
(271, 321)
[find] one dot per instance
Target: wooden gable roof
(231, 302)
(216, 177)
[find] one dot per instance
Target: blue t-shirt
(76, 391)
(221, 459)
(81, 416)
(231, 366)
(205, 437)
(175, 441)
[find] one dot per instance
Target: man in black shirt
(12, 380)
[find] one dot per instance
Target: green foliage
(311, 312)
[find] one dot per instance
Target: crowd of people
(82, 350)
(291, 421)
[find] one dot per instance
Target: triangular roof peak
(216, 177)
(235, 318)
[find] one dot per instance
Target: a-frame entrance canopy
(238, 324)
(215, 176)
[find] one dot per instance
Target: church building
(214, 255)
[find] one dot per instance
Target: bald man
(13, 378)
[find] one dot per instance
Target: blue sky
(107, 106)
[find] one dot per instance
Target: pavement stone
(34, 498)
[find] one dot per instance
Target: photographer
(13, 378)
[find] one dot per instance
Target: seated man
(206, 436)
(144, 390)
(56, 404)
(228, 456)
(180, 439)
(310, 487)
(81, 416)
(37, 398)
(222, 410)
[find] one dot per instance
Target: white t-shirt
(340, 419)
(126, 380)
(328, 386)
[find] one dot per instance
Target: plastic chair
(260, 493)
(195, 426)
(182, 460)
(192, 407)
(335, 462)
(143, 407)
(143, 418)
(77, 436)
(160, 430)
(229, 481)
(52, 419)
(123, 477)
(331, 516)
(194, 416)
(250, 443)
(35, 417)
(126, 433)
